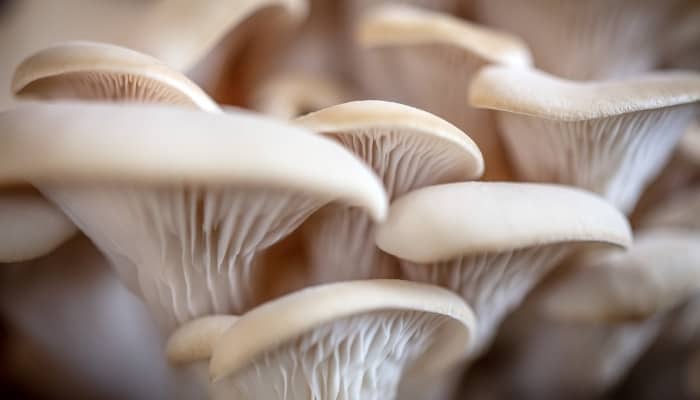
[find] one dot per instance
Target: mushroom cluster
(352, 199)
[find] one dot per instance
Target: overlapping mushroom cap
(609, 137)
(351, 340)
(427, 59)
(98, 71)
(408, 149)
(183, 34)
(587, 40)
(189, 200)
(491, 242)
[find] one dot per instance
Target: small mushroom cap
(194, 341)
(283, 319)
(30, 226)
(367, 115)
(659, 271)
(79, 60)
(160, 144)
(535, 93)
(294, 94)
(442, 222)
(395, 24)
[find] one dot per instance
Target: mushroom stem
(492, 283)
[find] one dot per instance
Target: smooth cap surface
(442, 222)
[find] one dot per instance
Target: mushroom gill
(609, 137)
(408, 149)
(427, 60)
(190, 200)
(491, 242)
(99, 71)
(586, 40)
(349, 340)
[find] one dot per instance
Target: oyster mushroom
(608, 137)
(349, 340)
(608, 310)
(89, 71)
(189, 201)
(586, 40)
(408, 149)
(181, 33)
(98, 71)
(427, 59)
(491, 242)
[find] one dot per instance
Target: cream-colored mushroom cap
(396, 24)
(535, 93)
(30, 226)
(272, 324)
(376, 118)
(98, 71)
(443, 222)
(660, 270)
(159, 144)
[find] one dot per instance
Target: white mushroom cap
(98, 71)
(30, 226)
(427, 59)
(609, 137)
(585, 40)
(178, 32)
(407, 148)
(405, 328)
(189, 199)
(398, 24)
(661, 270)
(485, 217)
(492, 242)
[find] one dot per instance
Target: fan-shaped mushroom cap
(178, 32)
(407, 148)
(585, 40)
(608, 137)
(98, 71)
(189, 199)
(427, 59)
(30, 226)
(492, 242)
(661, 270)
(343, 340)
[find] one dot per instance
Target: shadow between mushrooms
(609, 137)
(408, 149)
(349, 340)
(186, 205)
